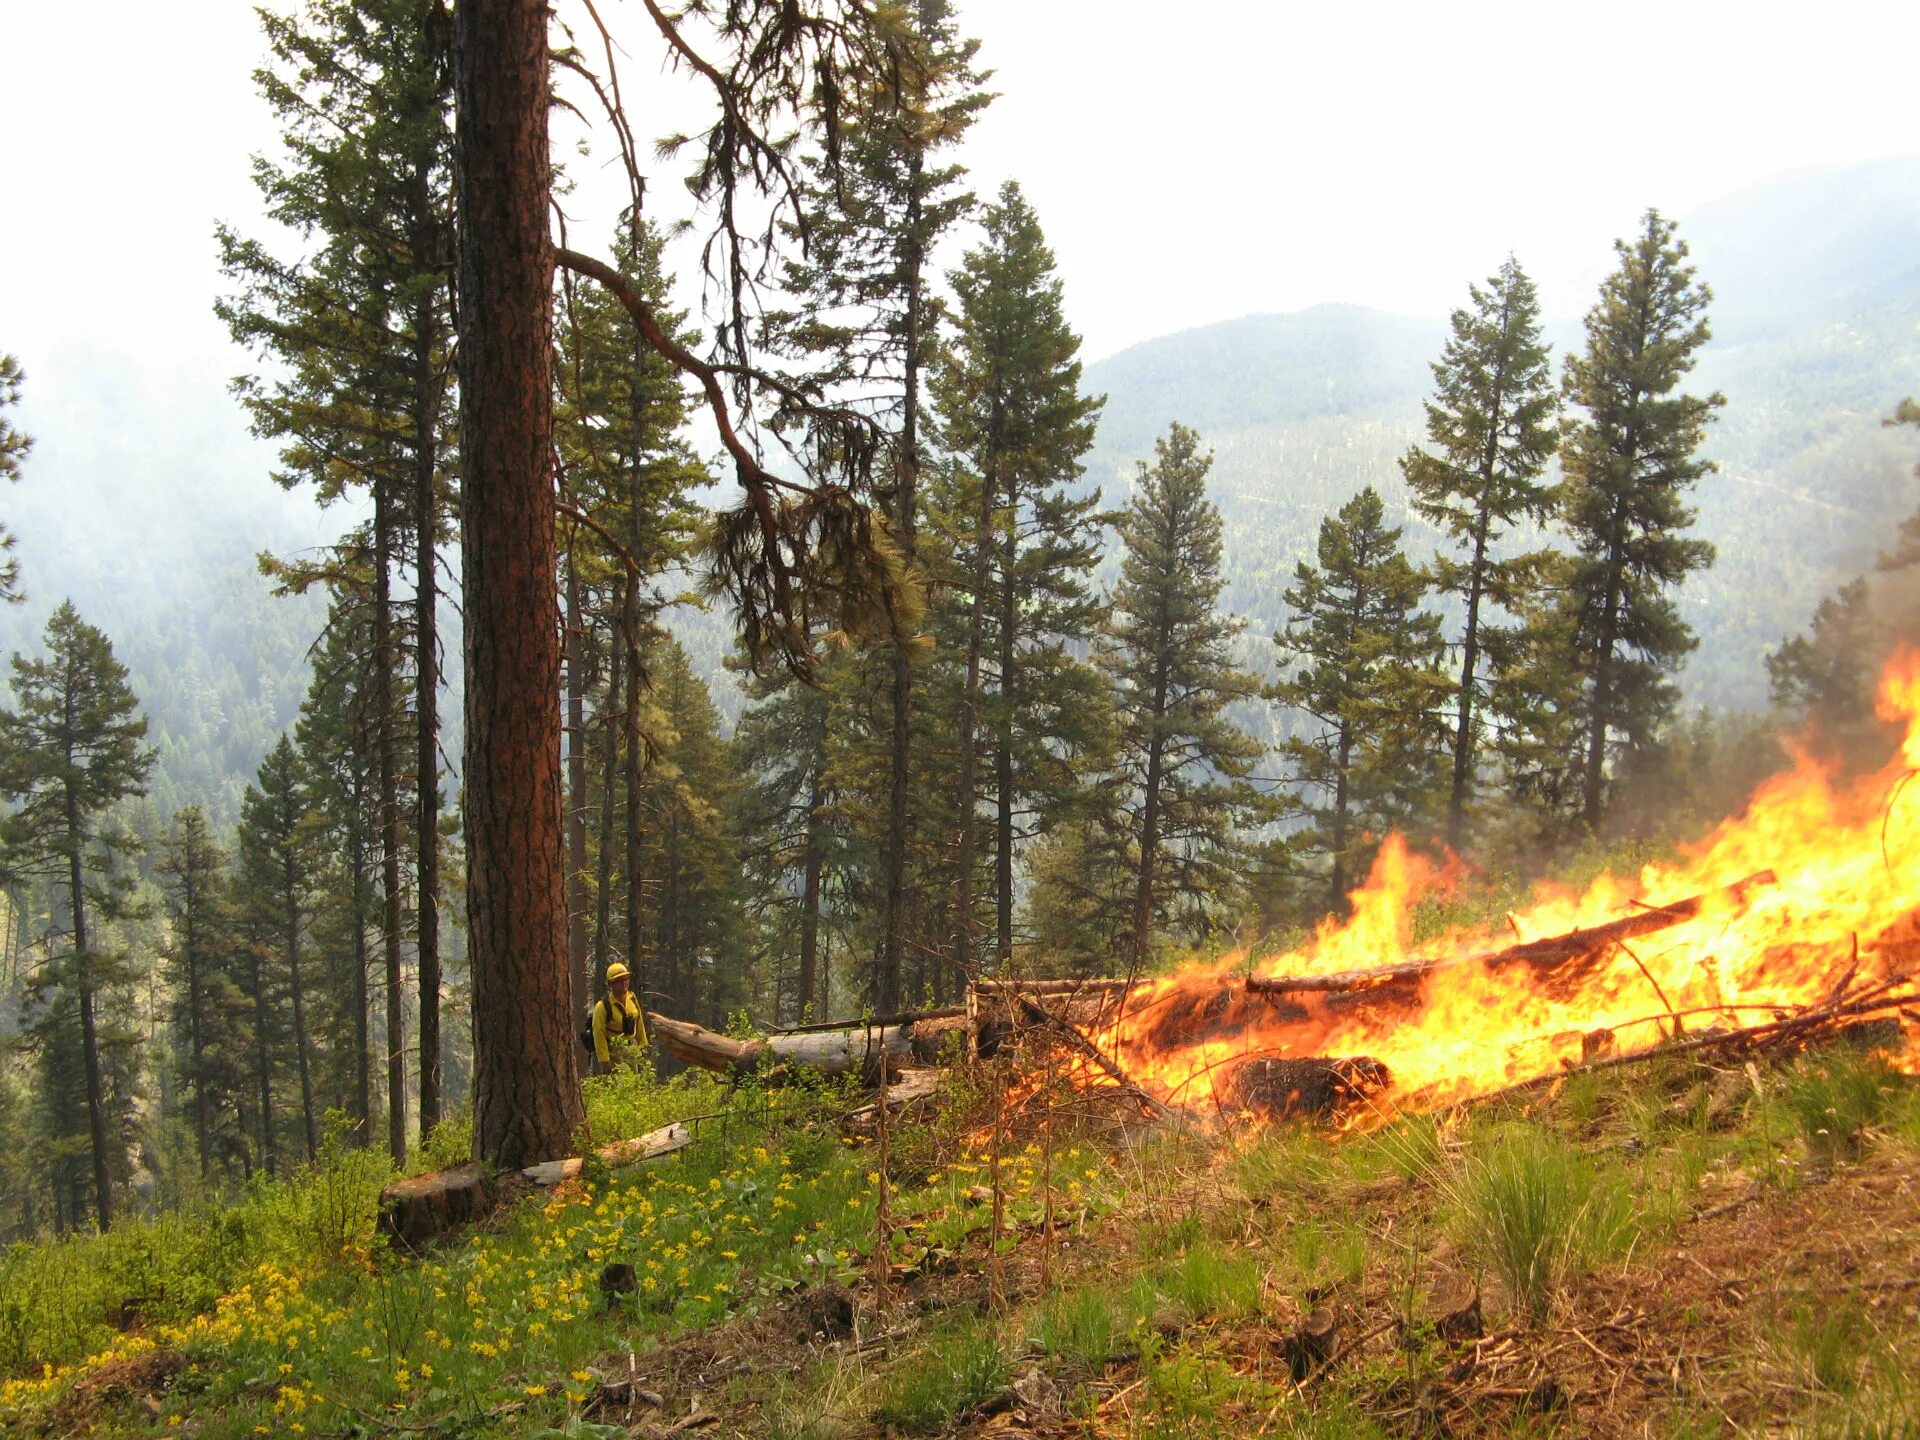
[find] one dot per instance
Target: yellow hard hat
(617, 971)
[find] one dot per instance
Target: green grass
(1836, 1096)
(959, 1369)
(1082, 1328)
(1539, 1211)
(1207, 1283)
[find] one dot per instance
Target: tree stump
(1453, 1308)
(414, 1210)
(1313, 1343)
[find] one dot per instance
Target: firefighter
(618, 1014)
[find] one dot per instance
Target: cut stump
(414, 1210)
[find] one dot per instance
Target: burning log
(1313, 1088)
(1543, 955)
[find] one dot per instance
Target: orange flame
(1845, 909)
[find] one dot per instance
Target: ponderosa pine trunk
(89, 1025)
(579, 971)
(385, 655)
(526, 1085)
(362, 1000)
(426, 700)
(290, 919)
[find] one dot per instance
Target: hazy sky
(1189, 163)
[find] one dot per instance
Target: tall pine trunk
(613, 724)
(579, 972)
(526, 1085)
(643, 976)
(263, 1072)
(426, 701)
(1003, 743)
(386, 659)
(906, 505)
(290, 895)
(89, 1025)
(812, 865)
(963, 951)
(362, 1001)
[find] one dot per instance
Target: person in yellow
(618, 1020)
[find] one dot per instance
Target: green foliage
(1490, 426)
(1369, 681)
(1538, 1210)
(1628, 462)
(1182, 787)
(1209, 1283)
(13, 450)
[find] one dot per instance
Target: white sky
(1189, 163)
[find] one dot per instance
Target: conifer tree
(1490, 426)
(1629, 459)
(790, 841)
(625, 463)
(690, 906)
(1169, 654)
(1022, 548)
(212, 1037)
(1367, 671)
(868, 322)
(361, 330)
(277, 865)
(334, 741)
(71, 751)
(1825, 678)
(13, 450)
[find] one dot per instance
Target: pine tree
(13, 450)
(276, 880)
(334, 741)
(212, 1037)
(1825, 679)
(1367, 671)
(869, 323)
(790, 843)
(1491, 428)
(1629, 459)
(625, 464)
(689, 909)
(1169, 654)
(1022, 549)
(361, 330)
(71, 751)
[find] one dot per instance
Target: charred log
(1309, 1089)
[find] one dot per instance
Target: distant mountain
(1817, 337)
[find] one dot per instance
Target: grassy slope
(1670, 1250)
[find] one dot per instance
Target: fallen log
(860, 1049)
(1313, 1088)
(1543, 955)
(650, 1146)
(1009, 985)
(416, 1209)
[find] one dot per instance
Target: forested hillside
(1816, 300)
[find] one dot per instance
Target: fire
(1844, 909)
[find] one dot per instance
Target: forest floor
(1673, 1249)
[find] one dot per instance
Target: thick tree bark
(1003, 748)
(526, 1083)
